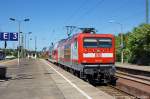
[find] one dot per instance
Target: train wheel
(91, 80)
(71, 71)
(113, 81)
(76, 73)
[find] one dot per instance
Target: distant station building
(32, 54)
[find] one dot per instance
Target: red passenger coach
(54, 53)
(90, 56)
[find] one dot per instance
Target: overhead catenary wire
(126, 18)
(75, 13)
(92, 9)
(77, 17)
(132, 16)
(87, 11)
(100, 2)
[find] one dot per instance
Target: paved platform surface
(136, 67)
(38, 79)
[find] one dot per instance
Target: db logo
(97, 54)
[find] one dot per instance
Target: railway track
(135, 78)
(136, 85)
(122, 91)
(134, 71)
(115, 92)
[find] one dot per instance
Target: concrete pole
(147, 11)
(35, 43)
(25, 44)
(122, 45)
(19, 22)
(35, 46)
(29, 39)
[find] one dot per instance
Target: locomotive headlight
(84, 61)
(98, 60)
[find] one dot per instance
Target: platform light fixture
(19, 34)
(121, 44)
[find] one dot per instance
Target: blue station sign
(8, 36)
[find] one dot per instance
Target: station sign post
(9, 36)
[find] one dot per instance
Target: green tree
(138, 45)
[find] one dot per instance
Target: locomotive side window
(105, 42)
(90, 42)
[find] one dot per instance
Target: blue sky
(48, 18)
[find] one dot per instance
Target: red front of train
(96, 49)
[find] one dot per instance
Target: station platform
(134, 67)
(39, 79)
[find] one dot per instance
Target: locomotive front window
(97, 42)
(89, 42)
(105, 42)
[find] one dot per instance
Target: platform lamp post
(19, 39)
(29, 33)
(25, 47)
(35, 46)
(29, 40)
(121, 37)
(26, 43)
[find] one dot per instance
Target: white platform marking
(72, 84)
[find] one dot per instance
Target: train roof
(62, 41)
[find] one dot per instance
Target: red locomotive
(90, 56)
